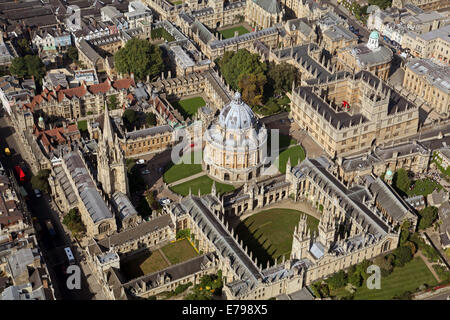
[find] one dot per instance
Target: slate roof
(87, 189)
(136, 232)
(271, 6)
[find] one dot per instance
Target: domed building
(236, 144)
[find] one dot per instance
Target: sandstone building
(350, 114)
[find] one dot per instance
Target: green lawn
(179, 251)
(143, 263)
(407, 278)
(203, 183)
(424, 187)
(188, 107)
(82, 125)
(229, 33)
(294, 153)
(182, 170)
(268, 234)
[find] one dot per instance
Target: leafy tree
(73, 221)
(337, 280)
(18, 67)
(140, 57)
(383, 4)
(355, 279)
(428, 216)
(72, 53)
(252, 87)
(30, 65)
(234, 64)
(150, 119)
(152, 201)
(281, 76)
(385, 263)
(404, 233)
(402, 255)
(129, 118)
(112, 102)
(40, 181)
(24, 47)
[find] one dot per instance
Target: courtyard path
(197, 175)
(164, 257)
(429, 265)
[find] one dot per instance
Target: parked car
(145, 171)
(140, 161)
(37, 193)
(164, 201)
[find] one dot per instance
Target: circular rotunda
(236, 144)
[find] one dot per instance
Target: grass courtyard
(229, 33)
(188, 107)
(182, 170)
(268, 234)
(179, 251)
(82, 125)
(402, 279)
(152, 261)
(296, 154)
(144, 263)
(424, 187)
(203, 183)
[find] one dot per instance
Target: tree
(30, 65)
(385, 263)
(404, 232)
(24, 47)
(402, 255)
(18, 67)
(129, 118)
(281, 76)
(252, 87)
(428, 216)
(383, 4)
(150, 119)
(234, 64)
(337, 280)
(40, 181)
(73, 221)
(140, 57)
(112, 102)
(355, 279)
(72, 53)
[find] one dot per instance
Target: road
(41, 210)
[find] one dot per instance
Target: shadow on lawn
(130, 266)
(251, 240)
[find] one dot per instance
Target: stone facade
(372, 113)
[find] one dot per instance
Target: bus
(69, 255)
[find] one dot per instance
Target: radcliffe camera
(235, 157)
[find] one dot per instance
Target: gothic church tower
(111, 165)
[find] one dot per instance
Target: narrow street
(43, 209)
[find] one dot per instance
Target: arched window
(386, 246)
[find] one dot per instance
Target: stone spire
(107, 129)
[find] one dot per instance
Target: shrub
(338, 280)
